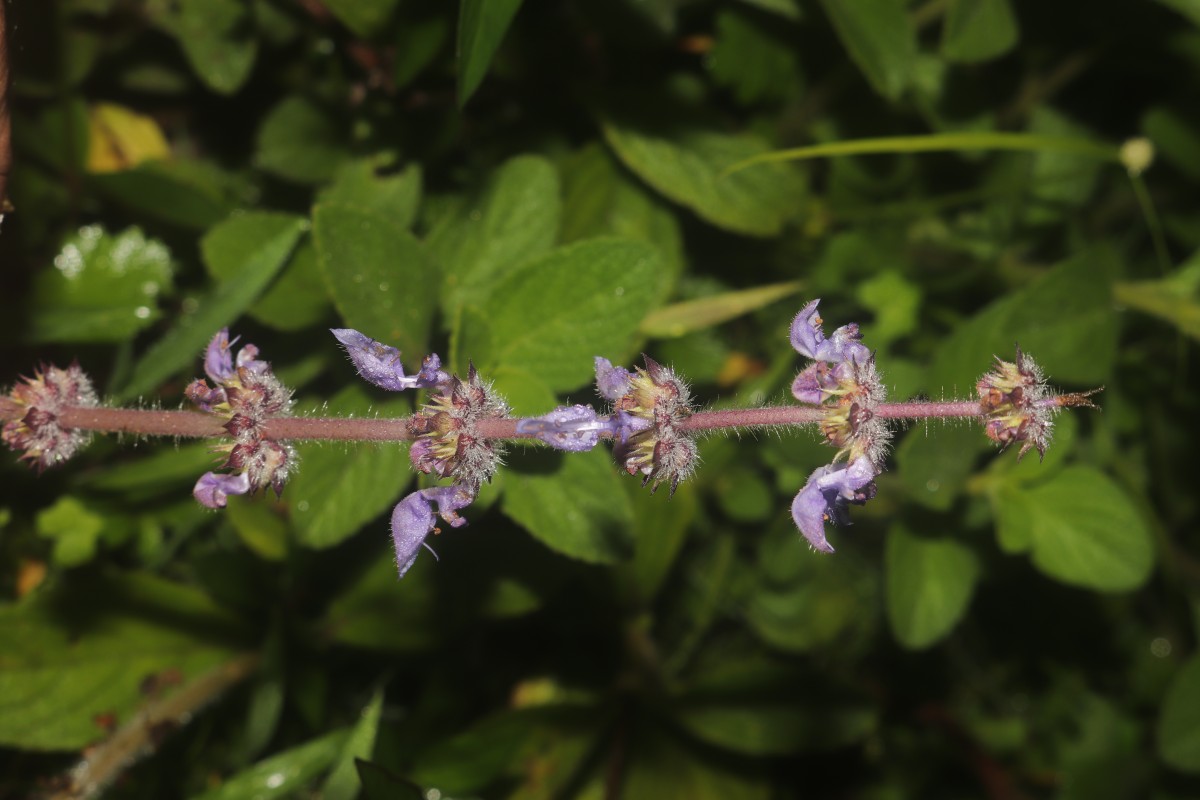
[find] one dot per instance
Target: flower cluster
(843, 381)
(33, 407)
(247, 393)
(649, 407)
(446, 439)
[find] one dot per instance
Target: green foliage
(525, 187)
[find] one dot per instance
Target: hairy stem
(198, 425)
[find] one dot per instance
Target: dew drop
(1160, 647)
(932, 485)
(302, 506)
(383, 287)
(620, 291)
(274, 780)
(142, 312)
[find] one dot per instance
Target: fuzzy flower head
(649, 407)
(843, 380)
(32, 410)
(246, 392)
(447, 442)
(1018, 405)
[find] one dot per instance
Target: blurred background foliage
(530, 184)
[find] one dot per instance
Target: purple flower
(379, 364)
(611, 382)
(213, 489)
(575, 428)
(218, 360)
(827, 494)
(808, 338)
(413, 519)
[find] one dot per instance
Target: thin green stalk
(1152, 222)
(937, 142)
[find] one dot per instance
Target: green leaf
(516, 219)
(929, 586)
(364, 17)
(1082, 528)
(475, 758)
(381, 612)
(685, 162)
(661, 768)
(1174, 299)
(381, 279)
(217, 37)
(481, 26)
(283, 774)
(380, 784)
(103, 287)
(190, 194)
(83, 650)
(251, 249)
(418, 43)
(936, 459)
(789, 9)
(343, 782)
(299, 297)
(1179, 720)
(774, 727)
(259, 525)
(1174, 136)
(881, 40)
(74, 528)
(573, 505)
(690, 316)
(659, 532)
(364, 184)
(555, 314)
(340, 489)
(978, 30)
(1064, 320)
(1188, 8)
(300, 142)
(600, 198)
(751, 60)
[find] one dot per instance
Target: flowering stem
(195, 424)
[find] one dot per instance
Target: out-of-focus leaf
(74, 528)
(168, 466)
(516, 219)
(120, 138)
(419, 42)
(381, 279)
(659, 767)
(381, 612)
(1188, 8)
(217, 36)
(602, 199)
(880, 39)
(1082, 529)
(298, 141)
(659, 530)
(896, 302)
(555, 314)
(251, 249)
(1059, 180)
(573, 505)
(1174, 299)
(259, 526)
(190, 194)
(70, 656)
(978, 30)
(936, 459)
(343, 782)
(1064, 320)
(929, 586)
(481, 27)
(789, 9)
(340, 489)
(299, 297)
(1174, 137)
(103, 287)
(364, 17)
(1179, 720)
(475, 758)
(685, 163)
(690, 316)
(364, 184)
(753, 63)
(282, 774)
(379, 784)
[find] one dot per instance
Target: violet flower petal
(212, 489)
(218, 358)
(573, 428)
(380, 364)
(611, 382)
(412, 520)
(808, 337)
(825, 496)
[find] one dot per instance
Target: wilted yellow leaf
(119, 139)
